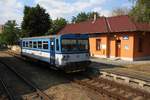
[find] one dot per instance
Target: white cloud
(60, 8)
(102, 12)
(10, 10)
(13, 9)
(127, 5)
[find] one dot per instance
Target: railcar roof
(48, 36)
(51, 36)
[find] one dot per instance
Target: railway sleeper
(106, 92)
(113, 90)
(139, 98)
(106, 87)
(95, 84)
(126, 88)
(101, 85)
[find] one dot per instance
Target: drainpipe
(108, 37)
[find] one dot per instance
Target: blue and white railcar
(69, 51)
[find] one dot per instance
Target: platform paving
(121, 68)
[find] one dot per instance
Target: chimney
(94, 19)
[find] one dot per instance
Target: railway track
(40, 95)
(113, 90)
(8, 94)
(103, 86)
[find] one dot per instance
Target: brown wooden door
(118, 48)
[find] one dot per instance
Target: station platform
(128, 72)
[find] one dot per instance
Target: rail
(10, 94)
(39, 93)
(107, 87)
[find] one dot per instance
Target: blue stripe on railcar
(75, 36)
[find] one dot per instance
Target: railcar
(69, 52)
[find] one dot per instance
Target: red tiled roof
(86, 27)
(101, 25)
(142, 26)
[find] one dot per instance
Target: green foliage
(36, 21)
(141, 11)
(91, 15)
(84, 17)
(57, 25)
(10, 34)
(80, 17)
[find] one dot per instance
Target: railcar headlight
(68, 56)
(87, 55)
(65, 57)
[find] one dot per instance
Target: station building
(114, 37)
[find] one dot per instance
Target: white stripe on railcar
(44, 56)
(71, 58)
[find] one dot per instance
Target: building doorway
(118, 48)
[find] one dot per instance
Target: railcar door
(52, 51)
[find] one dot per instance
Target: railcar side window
(57, 44)
(27, 44)
(23, 44)
(45, 44)
(40, 44)
(30, 44)
(34, 44)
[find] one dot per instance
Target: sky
(13, 9)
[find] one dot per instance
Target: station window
(23, 44)
(40, 44)
(34, 44)
(57, 44)
(98, 44)
(45, 44)
(27, 44)
(30, 44)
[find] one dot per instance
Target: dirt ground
(71, 92)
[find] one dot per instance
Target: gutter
(108, 37)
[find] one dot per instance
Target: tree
(84, 17)
(36, 21)
(10, 34)
(57, 25)
(80, 17)
(141, 11)
(120, 11)
(91, 15)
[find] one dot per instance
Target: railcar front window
(83, 45)
(74, 45)
(69, 45)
